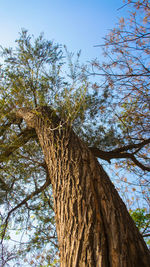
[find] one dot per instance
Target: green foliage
(32, 70)
(142, 221)
(2, 226)
(141, 218)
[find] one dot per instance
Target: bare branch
(132, 146)
(121, 153)
(146, 235)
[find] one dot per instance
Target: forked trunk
(93, 225)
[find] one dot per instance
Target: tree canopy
(110, 115)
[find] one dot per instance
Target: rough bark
(93, 225)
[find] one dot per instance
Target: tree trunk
(93, 225)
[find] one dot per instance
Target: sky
(78, 24)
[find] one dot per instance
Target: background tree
(124, 82)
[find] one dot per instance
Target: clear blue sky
(79, 24)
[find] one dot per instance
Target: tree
(125, 84)
(90, 216)
(41, 116)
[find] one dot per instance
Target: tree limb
(146, 235)
(24, 201)
(132, 146)
(121, 153)
(20, 140)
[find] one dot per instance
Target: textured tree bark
(93, 225)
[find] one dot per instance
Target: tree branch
(24, 201)
(121, 153)
(20, 140)
(132, 146)
(146, 235)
